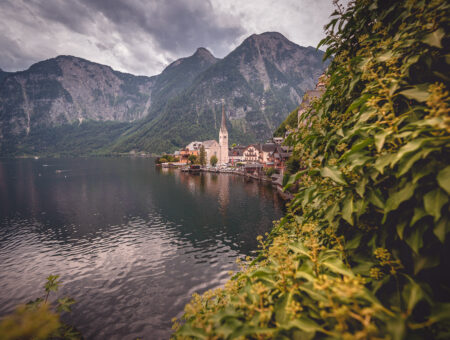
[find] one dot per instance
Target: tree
(192, 158)
(202, 159)
(269, 171)
(233, 145)
(213, 160)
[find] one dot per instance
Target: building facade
(212, 149)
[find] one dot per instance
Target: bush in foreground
(363, 252)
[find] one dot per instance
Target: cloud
(142, 37)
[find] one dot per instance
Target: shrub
(363, 251)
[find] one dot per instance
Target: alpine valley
(71, 106)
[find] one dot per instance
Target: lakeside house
(236, 155)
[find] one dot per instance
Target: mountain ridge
(261, 80)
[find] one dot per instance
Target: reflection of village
(225, 188)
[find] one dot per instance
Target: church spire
(223, 126)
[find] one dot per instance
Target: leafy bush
(363, 251)
(38, 319)
(269, 171)
(213, 160)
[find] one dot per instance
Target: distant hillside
(261, 81)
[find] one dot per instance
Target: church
(214, 148)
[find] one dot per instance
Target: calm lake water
(131, 243)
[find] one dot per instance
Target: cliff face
(69, 89)
(261, 81)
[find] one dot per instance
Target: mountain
(3, 75)
(67, 89)
(261, 81)
(49, 107)
(179, 75)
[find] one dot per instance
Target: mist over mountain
(49, 107)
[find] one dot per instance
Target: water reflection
(130, 243)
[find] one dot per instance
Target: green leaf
(64, 304)
(413, 294)
(418, 93)
(409, 147)
(348, 209)
(396, 198)
(405, 165)
(189, 330)
(300, 248)
(376, 199)
(305, 324)
(440, 311)
(282, 316)
(434, 38)
(443, 179)
(441, 228)
(334, 174)
(331, 213)
(401, 228)
(337, 266)
(415, 238)
(380, 138)
(434, 201)
(418, 214)
(358, 102)
(361, 186)
(52, 284)
(383, 161)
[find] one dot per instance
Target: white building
(212, 148)
(194, 146)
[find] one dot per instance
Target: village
(262, 161)
(270, 161)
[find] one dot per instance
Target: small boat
(185, 169)
(194, 168)
(165, 165)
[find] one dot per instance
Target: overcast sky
(144, 36)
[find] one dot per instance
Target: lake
(130, 242)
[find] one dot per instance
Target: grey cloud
(178, 26)
(142, 37)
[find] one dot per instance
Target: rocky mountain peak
(204, 53)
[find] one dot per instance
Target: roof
(193, 145)
(210, 143)
(269, 147)
(237, 151)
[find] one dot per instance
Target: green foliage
(213, 160)
(289, 123)
(193, 159)
(87, 139)
(270, 171)
(38, 320)
(363, 250)
(202, 156)
(166, 158)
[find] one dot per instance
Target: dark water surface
(131, 243)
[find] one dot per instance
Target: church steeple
(223, 138)
(223, 126)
